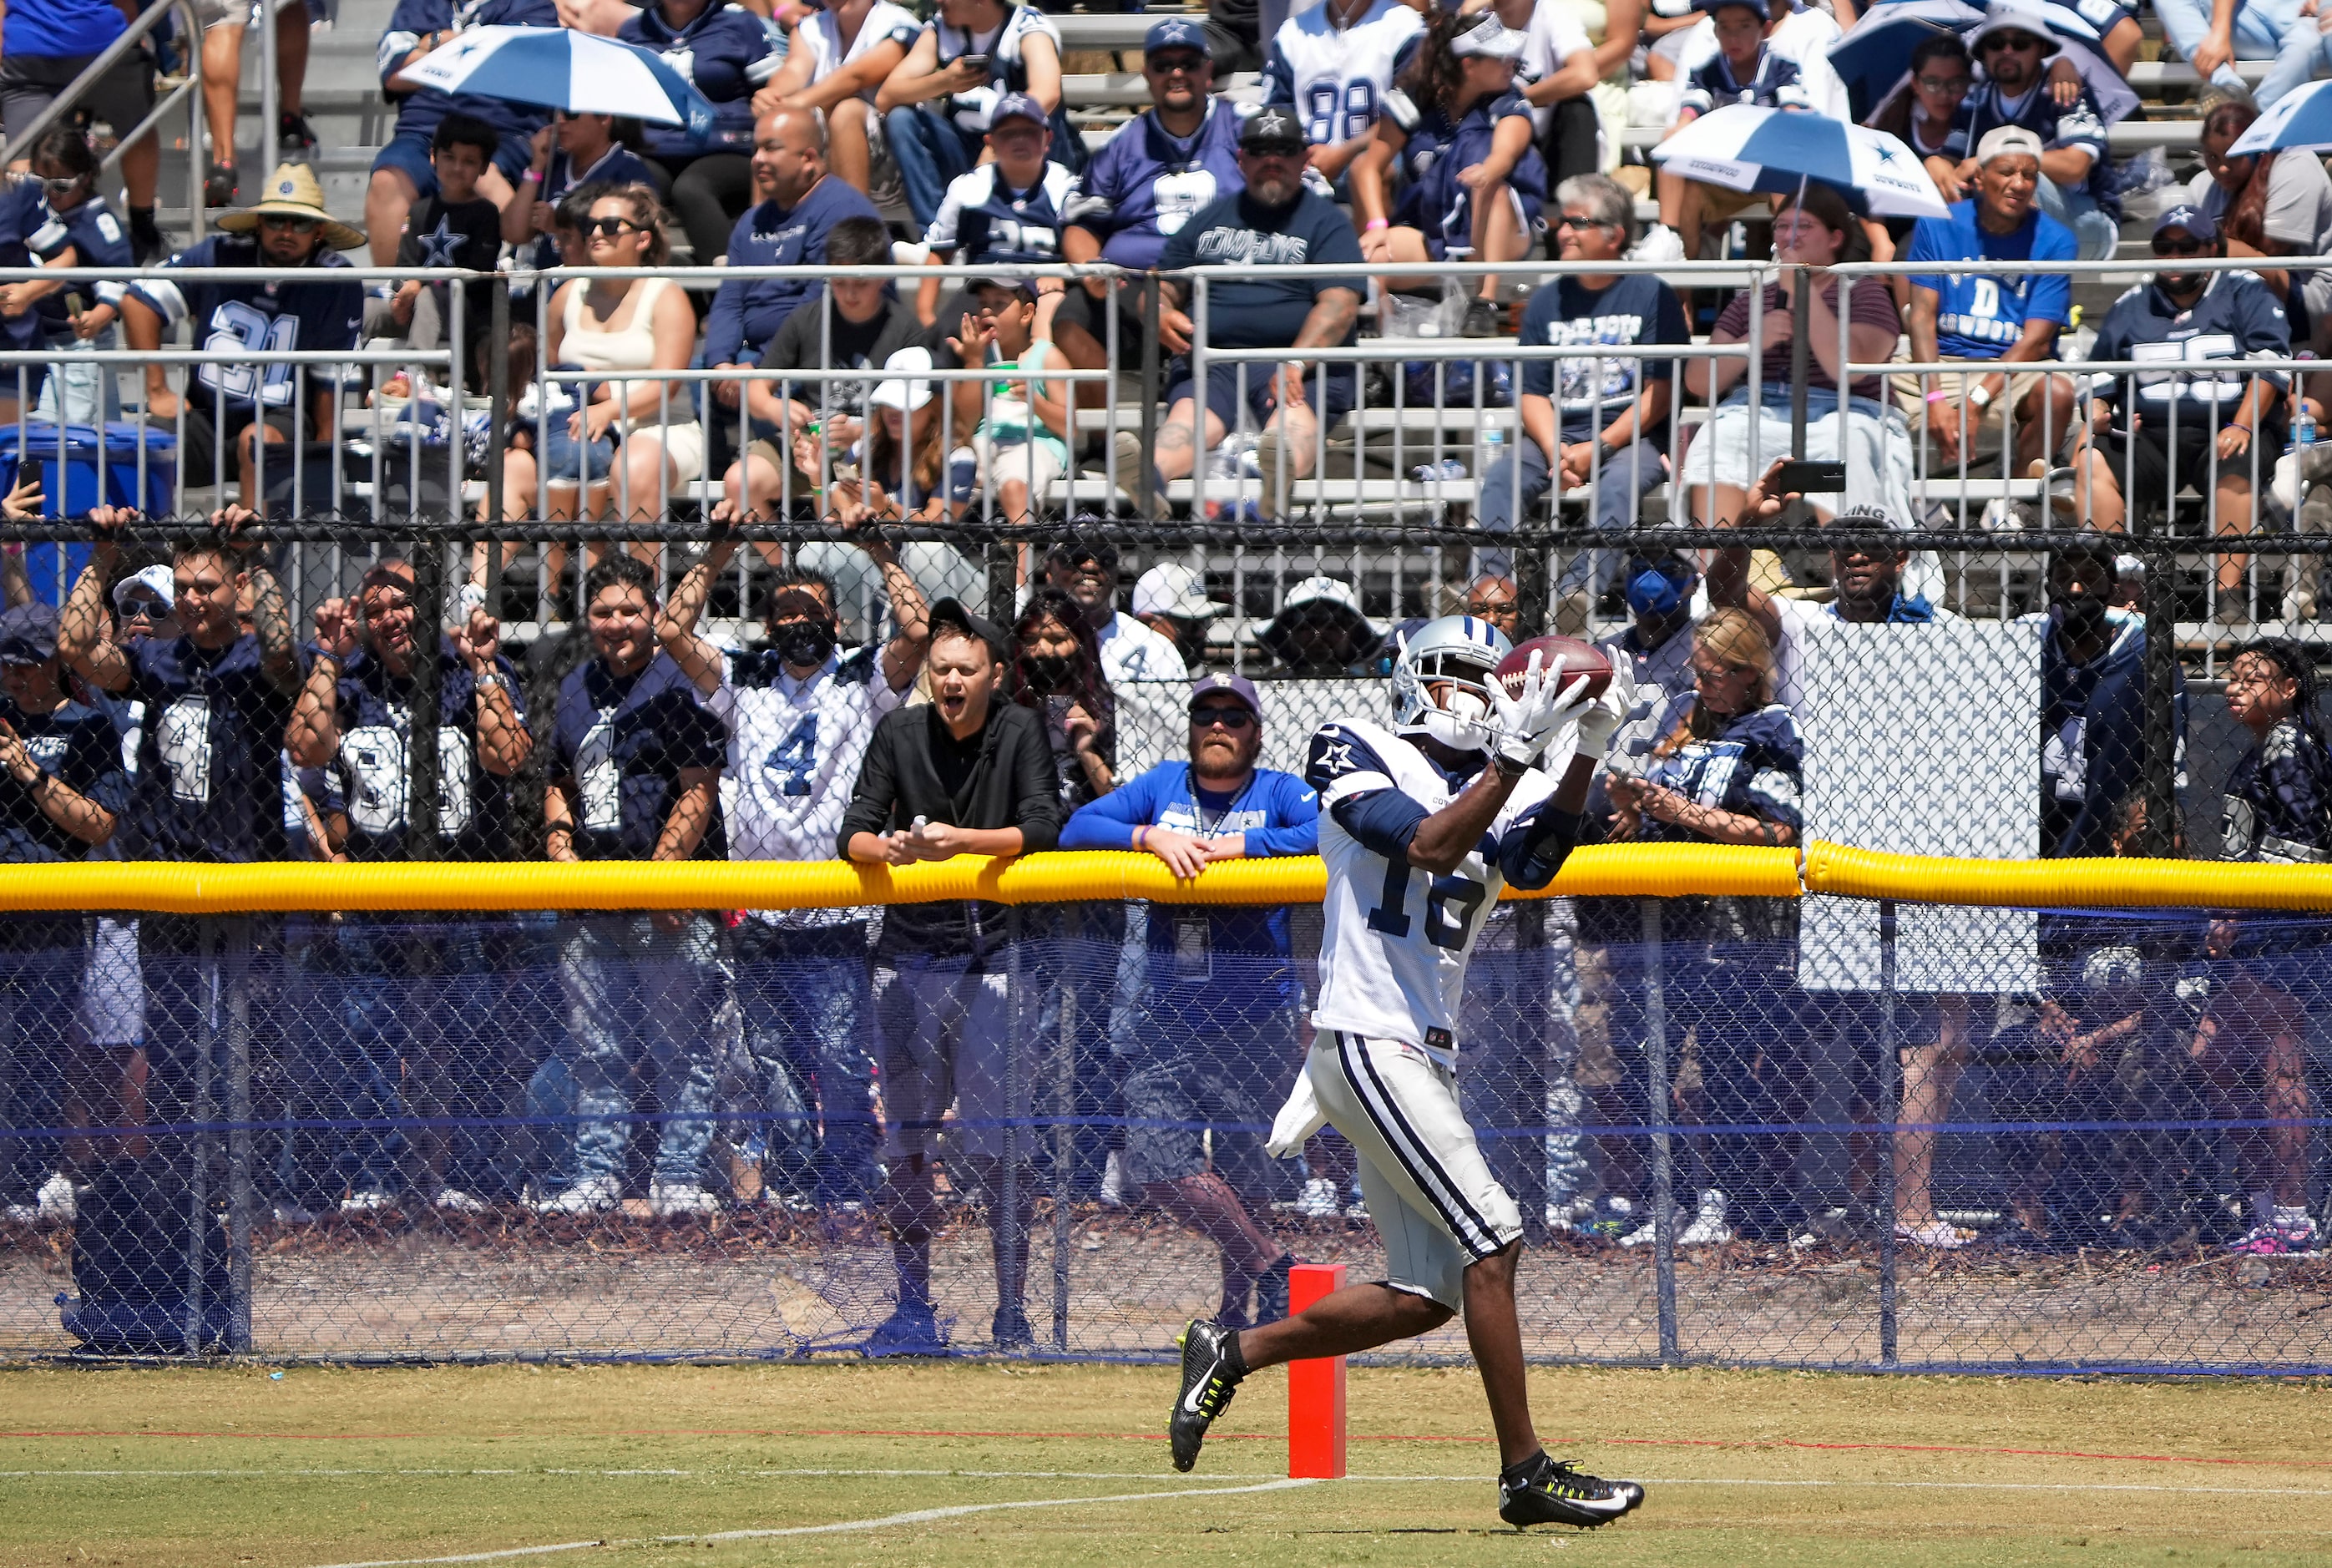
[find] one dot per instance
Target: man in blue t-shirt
(636, 775)
(2014, 46)
(1999, 318)
(1275, 222)
(1607, 424)
(1214, 1042)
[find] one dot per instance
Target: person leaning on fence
(290, 245)
(67, 223)
(1211, 1050)
(2268, 205)
(2077, 184)
(1321, 632)
(635, 775)
(51, 43)
(1814, 228)
(964, 774)
(1589, 421)
(799, 713)
(800, 205)
(2251, 1044)
(63, 788)
(208, 786)
(1459, 140)
(414, 1020)
(1277, 221)
(401, 173)
(858, 325)
(837, 60)
(936, 102)
(2093, 705)
(1868, 588)
(728, 54)
(1172, 160)
(2210, 427)
(2007, 319)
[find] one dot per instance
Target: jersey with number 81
(1394, 952)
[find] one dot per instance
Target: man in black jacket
(963, 775)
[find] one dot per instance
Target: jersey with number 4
(1335, 79)
(210, 754)
(623, 743)
(280, 309)
(1394, 952)
(794, 751)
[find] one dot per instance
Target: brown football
(1563, 660)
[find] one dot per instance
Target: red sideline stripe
(1748, 1443)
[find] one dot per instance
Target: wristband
(1141, 832)
(1938, 396)
(1373, 225)
(532, 176)
(2239, 425)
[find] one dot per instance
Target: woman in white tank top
(627, 324)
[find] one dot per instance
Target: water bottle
(1494, 447)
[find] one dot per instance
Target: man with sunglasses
(1212, 1049)
(2210, 427)
(2014, 46)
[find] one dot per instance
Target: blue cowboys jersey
(1754, 767)
(1393, 952)
(623, 743)
(1981, 317)
(2235, 319)
(2278, 800)
(1778, 82)
(209, 783)
(96, 238)
(1144, 185)
(1334, 79)
(371, 771)
(420, 111)
(277, 311)
(1988, 109)
(726, 54)
(80, 747)
(1435, 203)
(983, 220)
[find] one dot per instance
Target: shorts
(1223, 390)
(1436, 1207)
(1184, 1087)
(1742, 441)
(1911, 395)
(1530, 218)
(407, 152)
(1036, 460)
(204, 437)
(2156, 461)
(29, 84)
(945, 1031)
(567, 460)
(1851, 1020)
(1722, 204)
(213, 14)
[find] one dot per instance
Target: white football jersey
(1804, 37)
(1553, 36)
(1394, 952)
(794, 751)
(1336, 79)
(822, 35)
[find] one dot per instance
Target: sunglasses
(2189, 246)
(139, 605)
(608, 228)
(1168, 64)
(1953, 84)
(1568, 222)
(1229, 718)
(1483, 612)
(60, 188)
(2018, 42)
(286, 221)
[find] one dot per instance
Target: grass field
(722, 1465)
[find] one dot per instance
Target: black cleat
(1546, 1491)
(1211, 1370)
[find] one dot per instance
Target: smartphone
(1806, 476)
(977, 62)
(29, 472)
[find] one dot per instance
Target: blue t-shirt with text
(1981, 316)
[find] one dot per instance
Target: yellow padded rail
(1614, 870)
(1834, 869)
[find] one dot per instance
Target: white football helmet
(1441, 681)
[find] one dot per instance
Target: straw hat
(293, 191)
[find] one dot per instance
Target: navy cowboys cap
(1272, 126)
(1177, 33)
(2192, 219)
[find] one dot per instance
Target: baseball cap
(154, 580)
(952, 615)
(1018, 106)
(1488, 39)
(2007, 138)
(2192, 219)
(909, 388)
(1172, 588)
(1273, 128)
(28, 635)
(1177, 33)
(1310, 591)
(1024, 286)
(1760, 7)
(1238, 688)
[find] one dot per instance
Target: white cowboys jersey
(794, 751)
(1336, 79)
(1392, 955)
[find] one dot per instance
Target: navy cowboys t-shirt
(210, 754)
(1263, 312)
(81, 747)
(1631, 310)
(373, 767)
(624, 744)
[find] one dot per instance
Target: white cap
(155, 579)
(1174, 589)
(911, 389)
(1316, 590)
(1489, 39)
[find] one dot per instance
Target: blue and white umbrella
(2300, 118)
(558, 68)
(1742, 147)
(1875, 55)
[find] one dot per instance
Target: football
(1562, 661)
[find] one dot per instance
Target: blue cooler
(69, 484)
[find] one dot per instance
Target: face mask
(804, 643)
(2081, 619)
(1051, 672)
(1652, 592)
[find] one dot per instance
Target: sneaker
(1010, 1330)
(371, 1200)
(1211, 1370)
(1544, 1491)
(1935, 1233)
(1709, 1227)
(295, 140)
(1484, 318)
(1271, 1289)
(54, 1203)
(221, 185)
(1645, 1234)
(1112, 1181)
(680, 1199)
(146, 244)
(290, 1213)
(2287, 1233)
(453, 1201)
(589, 1196)
(912, 1330)
(1659, 243)
(1319, 1201)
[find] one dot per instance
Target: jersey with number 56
(1335, 79)
(1394, 952)
(794, 751)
